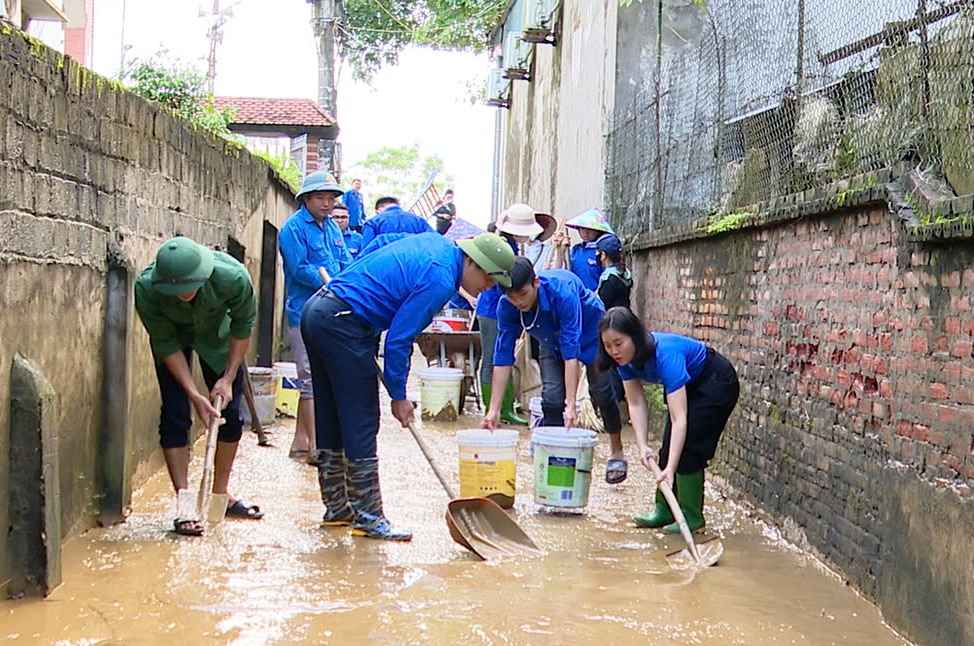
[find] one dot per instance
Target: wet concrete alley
(284, 580)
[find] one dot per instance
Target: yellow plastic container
(288, 389)
(488, 463)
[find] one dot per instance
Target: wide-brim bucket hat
(181, 266)
(491, 253)
(519, 220)
(591, 219)
(319, 181)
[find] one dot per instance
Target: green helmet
(181, 266)
(493, 254)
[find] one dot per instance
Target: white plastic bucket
(288, 391)
(562, 465)
(440, 393)
(265, 388)
(488, 464)
(537, 413)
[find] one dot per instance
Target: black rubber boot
(366, 501)
(334, 493)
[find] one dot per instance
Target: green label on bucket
(561, 472)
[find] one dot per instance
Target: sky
(272, 53)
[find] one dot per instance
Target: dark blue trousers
(176, 417)
(341, 350)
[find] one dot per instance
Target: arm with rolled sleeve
(412, 318)
(294, 252)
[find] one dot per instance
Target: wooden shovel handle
(675, 508)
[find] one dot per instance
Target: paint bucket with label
(288, 391)
(537, 413)
(562, 465)
(488, 464)
(440, 393)
(264, 386)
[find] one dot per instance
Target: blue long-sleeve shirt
(353, 242)
(305, 246)
(585, 265)
(380, 241)
(356, 209)
(565, 319)
(400, 288)
(393, 220)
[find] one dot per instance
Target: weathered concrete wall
(854, 428)
(86, 166)
(553, 152)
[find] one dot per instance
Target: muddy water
(283, 580)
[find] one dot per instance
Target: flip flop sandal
(243, 509)
(616, 471)
(188, 527)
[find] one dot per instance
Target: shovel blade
(217, 509)
(481, 526)
(709, 550)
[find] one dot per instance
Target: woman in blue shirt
(701, 391)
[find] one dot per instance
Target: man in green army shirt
(194, 299)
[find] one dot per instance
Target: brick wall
(90, 172)
(855, 426)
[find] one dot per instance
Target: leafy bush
(182, 89)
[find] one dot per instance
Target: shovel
(255, 425)
(478, 524)
(701, 555)
(213, 505)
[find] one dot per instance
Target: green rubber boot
(485, 390)
(366, 501)
(507, 407)
(690, 497)
(334, 494)
(660, 515)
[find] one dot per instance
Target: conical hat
(590, 219)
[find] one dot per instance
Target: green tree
(398, 172)
(375, 31)
(180, 88)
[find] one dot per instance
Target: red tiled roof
(276, 112)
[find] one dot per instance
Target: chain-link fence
(739, 101)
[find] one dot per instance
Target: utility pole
(324, 22)
(214, 33)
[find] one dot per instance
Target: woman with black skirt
(701, 391)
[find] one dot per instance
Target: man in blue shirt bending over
(555, 308)
(398, 288)
(392, 219)
(309, 239)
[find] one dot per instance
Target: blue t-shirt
(400, 288)
(678, 361)
(565, 319)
